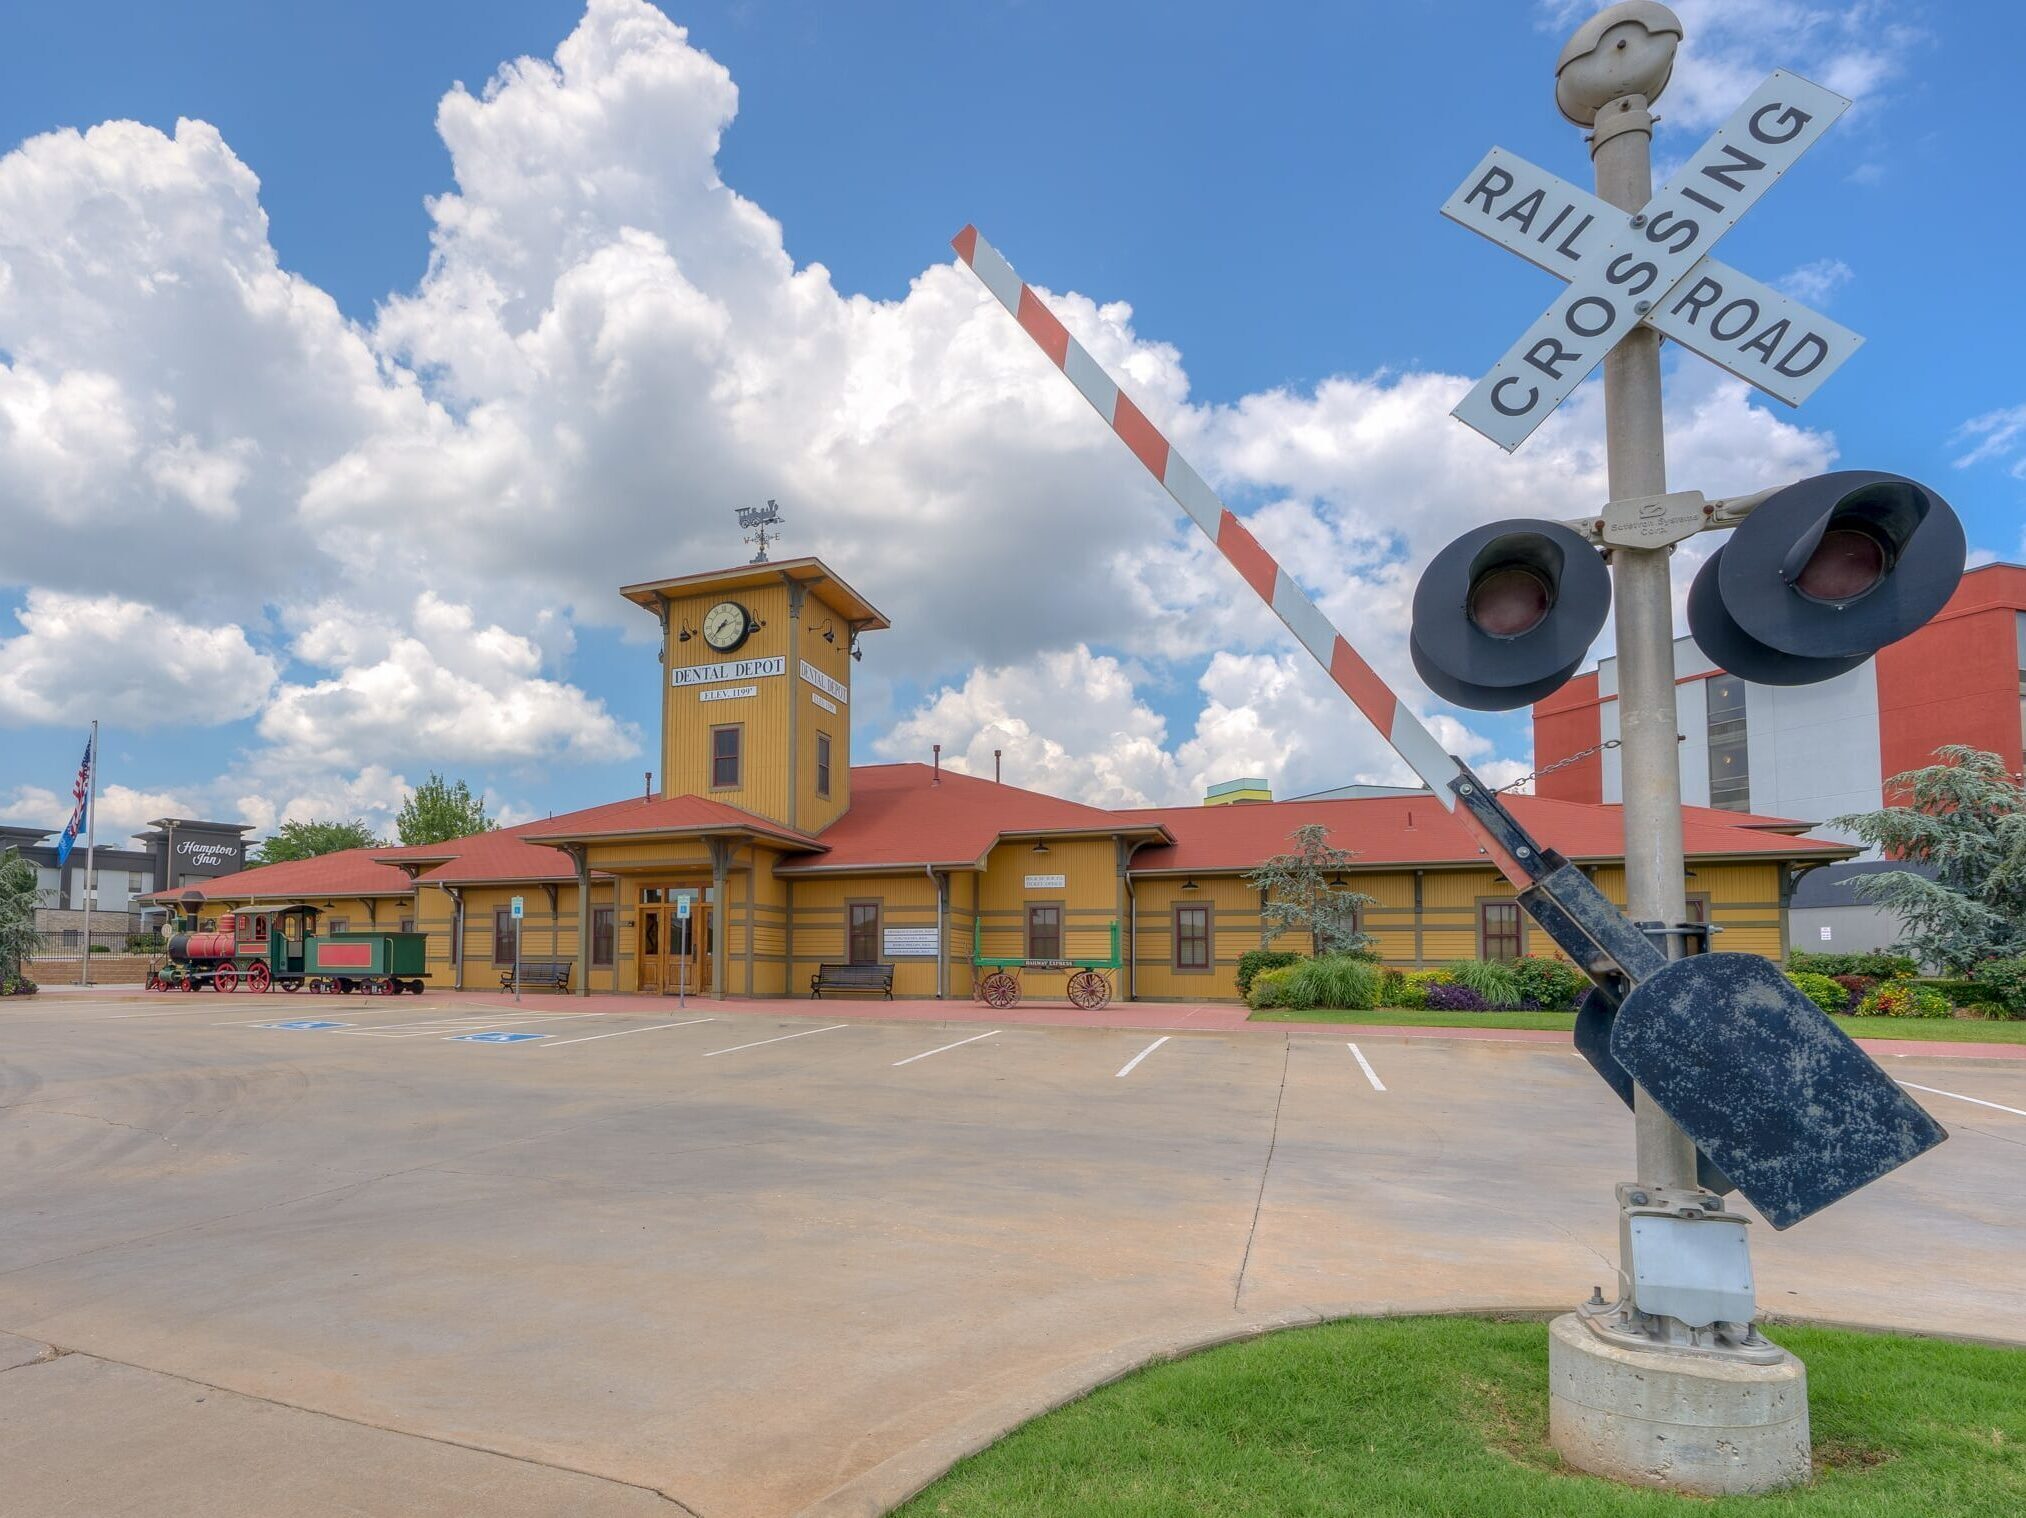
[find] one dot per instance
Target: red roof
(1406, 830)
(349, 872)
(902, 815)
(663, 814)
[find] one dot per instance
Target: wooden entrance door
(667, 940)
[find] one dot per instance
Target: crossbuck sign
(1653, 266)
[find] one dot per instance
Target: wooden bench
(851, 978)
(538, 975)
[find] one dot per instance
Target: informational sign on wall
(832, 688)
(728, 693)
(909, 943)
(731, 669)
(827, 705)
(1047, 882)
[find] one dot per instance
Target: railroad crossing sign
(1653, 266)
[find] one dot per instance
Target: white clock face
(725, 626)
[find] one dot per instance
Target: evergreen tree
(306, 840)
(436, 810)
(1966, 820)
(1302, 896)
(19, 897)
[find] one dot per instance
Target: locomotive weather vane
(759, 519)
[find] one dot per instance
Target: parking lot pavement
(766, 1264)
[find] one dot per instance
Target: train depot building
(768, 854)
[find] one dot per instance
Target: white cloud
(610, 349)
(122, 811)
(1815, 282)
(1994, 437)
(79, 657)
(442, 689)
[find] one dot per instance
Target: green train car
(279, 948)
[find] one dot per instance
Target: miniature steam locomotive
(279, 948)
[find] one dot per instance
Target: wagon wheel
(259, 977)
(224, 978)
(1000, 989)
(1088, 990)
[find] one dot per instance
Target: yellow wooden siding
(905, 901)
(777, 779)
(1089, 898)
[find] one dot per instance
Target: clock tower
(756, 687)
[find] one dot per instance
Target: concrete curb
(900, 1476)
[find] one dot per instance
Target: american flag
(81, 789)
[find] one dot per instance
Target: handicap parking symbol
(306, 1025)
(497, 1038)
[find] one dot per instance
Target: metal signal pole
(90, 852)
(1621, 148)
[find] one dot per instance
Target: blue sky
(1262, 189)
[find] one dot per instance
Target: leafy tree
(306, 840)
(19, 898)
(1966, 820)
(436, 810)
(1301, 895)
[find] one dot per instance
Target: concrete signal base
(1677, 1422)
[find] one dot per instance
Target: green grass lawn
(1407, 1417)
(1966, 1030)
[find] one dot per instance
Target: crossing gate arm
(1396, 722)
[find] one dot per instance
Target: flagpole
(90, 846)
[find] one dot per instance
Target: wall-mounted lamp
(1337, 881)
(856, 651)
(1190, 885)
(686, 634)
(828, 631)
(1040, 846)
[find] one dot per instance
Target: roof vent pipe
(937, 778)
(647, 785)
(995, 765)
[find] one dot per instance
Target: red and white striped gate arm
(1409, 737)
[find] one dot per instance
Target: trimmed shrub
(146, 943)
(1269, 988)
(1253, 961)
(1496, 982)
(1337, 981)
(1900, 998)
(1550, 984)
(1820, 989)
(1424, 979)
(1454, 996)
(1968, 995)
(1877, 966)
(18, 985)
(2005, 979)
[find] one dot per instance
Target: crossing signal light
(1825, 573)
(1506, 613)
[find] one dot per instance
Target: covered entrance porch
(676, 938)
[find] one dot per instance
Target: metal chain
(1577, 757)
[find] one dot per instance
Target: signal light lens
(1849, 562)
(1509, 602)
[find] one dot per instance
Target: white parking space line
(590, 1037)
(1937, 1091)
(805, 1033)
(1366, 1066)
(1150, 1048)
(462, 1025)
(944, 1049)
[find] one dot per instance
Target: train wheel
(259, 977)
(1087, 989)
(224, 978)
(1001, 990)
(289, 985)
(345, 987)
(189, 983)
